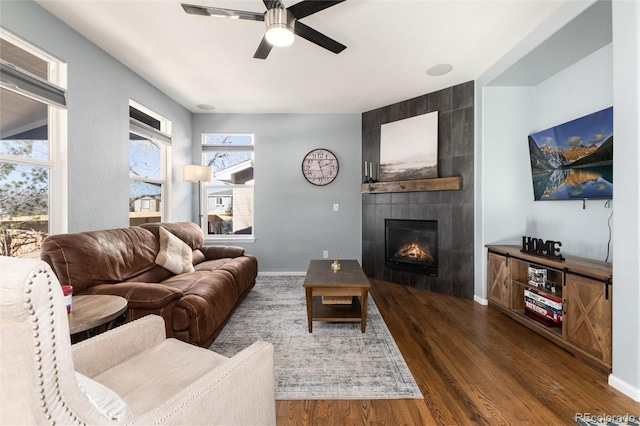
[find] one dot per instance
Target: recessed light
(439, 69)
(206, 107)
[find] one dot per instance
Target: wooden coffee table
(91, 311)
(350, 280)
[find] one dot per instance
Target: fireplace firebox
(412, 245)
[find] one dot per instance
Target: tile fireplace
(452, 209)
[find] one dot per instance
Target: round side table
(92, 311)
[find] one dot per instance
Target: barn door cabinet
(583, 286)
(498, 280)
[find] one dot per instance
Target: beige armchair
(131, 374)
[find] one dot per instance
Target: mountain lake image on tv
(574, 160)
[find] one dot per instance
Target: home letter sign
(542, 248)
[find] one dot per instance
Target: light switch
(335, 207)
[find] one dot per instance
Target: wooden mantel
(418, 185)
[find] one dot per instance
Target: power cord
(607, 205)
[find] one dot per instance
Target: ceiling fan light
(280, 24)
(279, 36)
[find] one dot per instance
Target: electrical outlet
(335, 207)
(325, 254)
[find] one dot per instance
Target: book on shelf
(547, 299)
(542, 308)
(545, 308)
(543, 319)
(546, 313)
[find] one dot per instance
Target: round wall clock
(320, 167)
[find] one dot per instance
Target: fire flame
(415, 253)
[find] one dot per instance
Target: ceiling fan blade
(222, 13)
(272, 4)
(263, 49)
(309, 7)
(320, 39)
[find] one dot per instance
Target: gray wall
(294, 220)
(626, 174)
(452, 209)
(509, 112)
(512, 113)
(98, 93)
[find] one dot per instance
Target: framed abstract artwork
(409, 148)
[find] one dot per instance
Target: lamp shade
(197, 173)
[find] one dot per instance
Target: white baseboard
(282, 274)
(480, 300)
(624, 387)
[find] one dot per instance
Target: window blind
(22, 82)
(146, 131)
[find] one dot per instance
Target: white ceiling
(390, 44)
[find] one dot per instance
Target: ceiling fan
(281, 23)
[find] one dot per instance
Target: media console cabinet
(584, 286)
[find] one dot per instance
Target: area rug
(336, 361)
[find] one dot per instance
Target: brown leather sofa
(195, 305)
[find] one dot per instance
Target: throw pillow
(106, 401)
(174, 255)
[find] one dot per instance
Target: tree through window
(229, 197)
(148, 144)
(32, 191)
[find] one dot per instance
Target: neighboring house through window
(149, 143)
(229, 197)
(33, 125)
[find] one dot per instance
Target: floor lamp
(198, 173)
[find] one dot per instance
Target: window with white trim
(149, 145)
(229, 196)
(33, 162)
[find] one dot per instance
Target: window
(33, 172)
(149, 142)
(229, 197)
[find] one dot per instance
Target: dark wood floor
(474, 365)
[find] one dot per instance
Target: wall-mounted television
(574, 160)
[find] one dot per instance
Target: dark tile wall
(452, 209)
